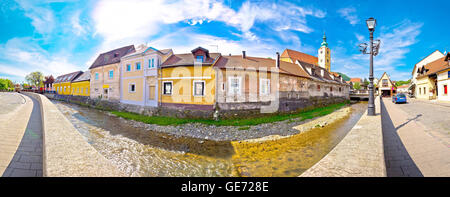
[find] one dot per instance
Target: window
(264, 86)
(111, 74)
(448, 74)
(318, 87)
(138, 66)
(87, 90)
(128, 67)
(81, 90)
(131, 87)
(425, 90)
(96, 76)
(167, 87)
(339, 89)
(199, 58)
(153, 63)
(385, 83)
(331, 89)
(445, 89)
(199, 88)
(234, 85)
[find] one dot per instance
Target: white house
(430, 58)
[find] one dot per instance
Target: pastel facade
(385, 86)
(188, 81)
(430, 58)
(433, 79)
(105, 74)
(139, 76)
(81, 85)
(63, 83)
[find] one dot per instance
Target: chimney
(243, 54)
(278, 60)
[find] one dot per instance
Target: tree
(35, 78)
(356, 86)
(6, 84)
(366, 81)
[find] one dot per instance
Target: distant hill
(344, 76)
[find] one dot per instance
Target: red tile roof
(356, 80)
(296, 55)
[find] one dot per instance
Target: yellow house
(188, 81)
(105, 74)
(139, 75)
(63, 83)
(81, 86)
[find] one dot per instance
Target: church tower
(324, 54)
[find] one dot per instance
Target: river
(139, 152)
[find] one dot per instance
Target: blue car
(399, 98)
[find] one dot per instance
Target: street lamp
(374, 47)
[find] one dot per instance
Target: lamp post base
(371, 111)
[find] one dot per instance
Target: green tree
(35, 78)
(6, 84)
(356, 86)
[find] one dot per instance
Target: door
(151, 92)
(105, 93)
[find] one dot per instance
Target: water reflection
(141, 152)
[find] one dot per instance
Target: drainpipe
(243, 55)
(278, 60)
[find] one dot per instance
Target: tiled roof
(236, 61)
(356, 80)
(112, 57)
(315, 72)
(86, 76)
(303, 57)
(144, 49)
(187, 59)
(434, 67)
(67, 77)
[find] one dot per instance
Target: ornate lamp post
(374, 46)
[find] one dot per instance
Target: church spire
(324, 43)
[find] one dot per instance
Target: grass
(244, 123)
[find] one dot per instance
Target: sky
(62, 36)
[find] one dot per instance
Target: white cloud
(349, 14)
(395, 43)
(137, 19)
(75, 22)
(23, 55)
(43, 19)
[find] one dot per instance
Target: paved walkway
(27, 161)
(409, 149)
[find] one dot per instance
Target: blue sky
(58, 36)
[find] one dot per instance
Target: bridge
(359, 94)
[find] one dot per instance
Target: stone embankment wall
(65, 152)
(359, 154)
(224, 110)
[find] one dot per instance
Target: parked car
(399, 98)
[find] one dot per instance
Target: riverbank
(142, 152)
(234, 130)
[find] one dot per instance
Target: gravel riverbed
(234, 133)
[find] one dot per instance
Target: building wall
(443, 79)
(324, 57)
(182, 78)
(381, 87)
(144, 79)
(63, 88)
(432, 57)
(81, 88)
(104, 82)
(423, 87)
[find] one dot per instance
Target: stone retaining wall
(65, 152)
(224, 110)
(359, 154)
